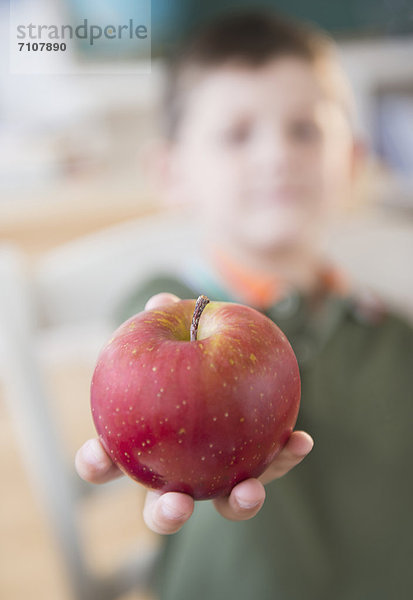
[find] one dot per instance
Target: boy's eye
(305, 131)
(237, 134)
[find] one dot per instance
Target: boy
(258, 122)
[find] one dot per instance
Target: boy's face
(264, 153)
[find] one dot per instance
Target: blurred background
(80, 224)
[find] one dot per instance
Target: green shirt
(339, 526)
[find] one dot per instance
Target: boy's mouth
(276, 196)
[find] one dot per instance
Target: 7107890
(42, 46)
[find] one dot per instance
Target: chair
(73, 288)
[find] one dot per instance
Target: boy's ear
(359, 157)
(158, 164)
(359, 172)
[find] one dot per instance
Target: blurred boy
(258, 123)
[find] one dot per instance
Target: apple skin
(195, 416)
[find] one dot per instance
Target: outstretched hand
(165, 513)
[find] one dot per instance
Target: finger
(244, 501)
(160, 299)
(296, 449)
(166, 513)
(94, 465)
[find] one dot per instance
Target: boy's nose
(273, 150)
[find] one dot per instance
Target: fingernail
(92, 452)
(246, 504)
(169, 511)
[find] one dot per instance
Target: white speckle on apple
(226, 414)
(153, 368)
(214, 418)
(188, 367)
(172, 370)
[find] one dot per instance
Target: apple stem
(199, 307)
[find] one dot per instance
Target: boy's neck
(296, 268)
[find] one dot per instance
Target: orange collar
(261, 289)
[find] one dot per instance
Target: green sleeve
(135, 302)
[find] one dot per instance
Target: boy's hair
(248, 38)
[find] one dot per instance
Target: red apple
(195, 411)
